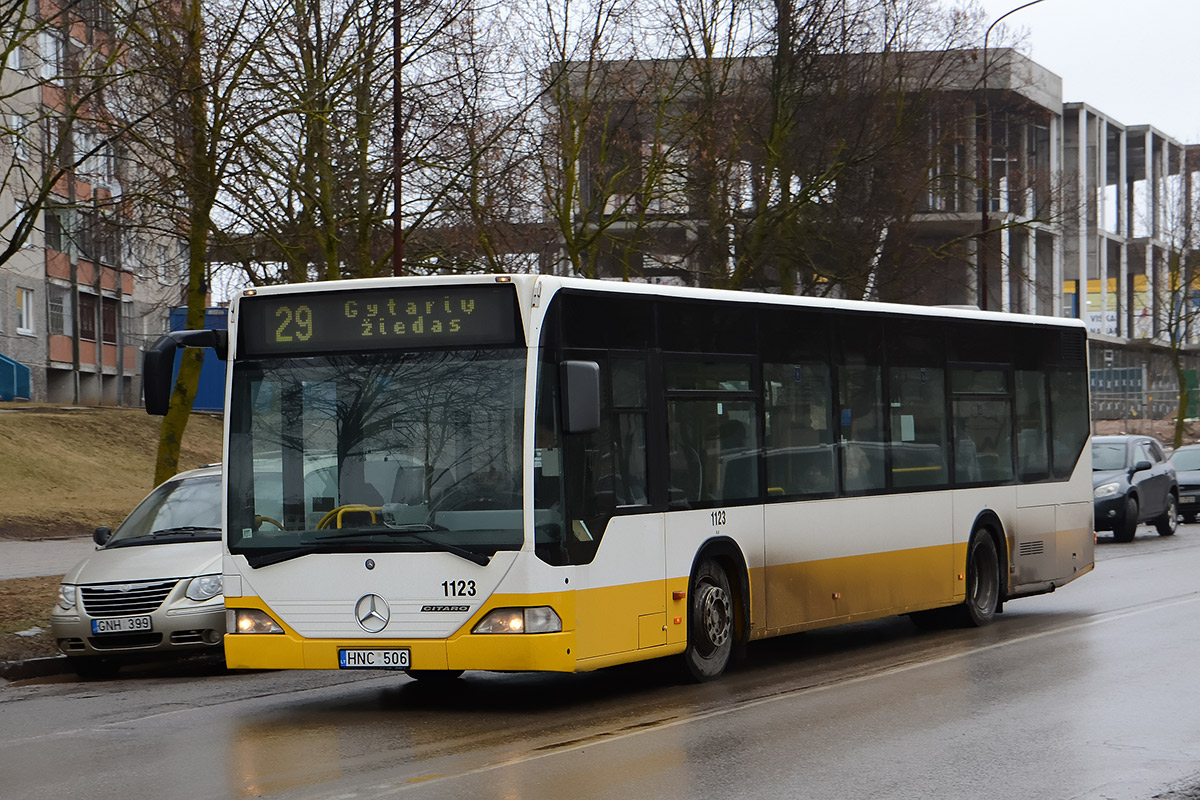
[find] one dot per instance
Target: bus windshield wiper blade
(256, 560)
(413, 531)
(185, 529)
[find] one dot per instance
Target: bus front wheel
(983, 580)
(710, 622)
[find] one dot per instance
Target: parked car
(1186, 461)
(1133, 482)
(153, 586)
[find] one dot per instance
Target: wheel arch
(989, 521)
(726, 552)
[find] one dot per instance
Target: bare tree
(1178, 287)
(184, 83)
(314, 184)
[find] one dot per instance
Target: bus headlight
(204, 587)
(66, 596)
(1106, 490)
(540, 619)
(250, 620)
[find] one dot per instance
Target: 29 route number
(294, 322)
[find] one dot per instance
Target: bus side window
(983, 416)
(1033, 447)
(918, 403)
(1068, 419)
(798, 451)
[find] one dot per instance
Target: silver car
(153, 586)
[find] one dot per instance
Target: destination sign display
(379, 319)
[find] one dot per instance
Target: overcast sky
(1138, 61)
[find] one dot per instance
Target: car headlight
(250, 620)
(540, 619)
(66, 596)
(1106, 490)
(205, 587)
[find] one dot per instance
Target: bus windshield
(379, 452)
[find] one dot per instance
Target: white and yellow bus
(538, 473)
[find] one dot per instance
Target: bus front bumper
(541, 652)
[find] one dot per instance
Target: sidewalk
(31, 559)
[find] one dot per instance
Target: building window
(25, 311)
(128, 324)
(58, 143)
(87, 317)
(19, 131)
(53, 52)
(56, 229)
(109, 320)
(60, 311)
(12, 57)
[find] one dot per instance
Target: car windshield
(1108, 456)
(377, 452)
(1186, 459)
(179, 510)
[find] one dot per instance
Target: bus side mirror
(580, 396)
(158, 363)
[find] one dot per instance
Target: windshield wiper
(412, 531)
(183, 531)
(256, 560)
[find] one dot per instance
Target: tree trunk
(1182, 409)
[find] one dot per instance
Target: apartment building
(86, 289)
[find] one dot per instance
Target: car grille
(121, 600)
(124, 641)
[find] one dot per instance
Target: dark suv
(1132, 482)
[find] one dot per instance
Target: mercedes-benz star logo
(372, 613)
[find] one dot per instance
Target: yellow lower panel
(857, 587)
(608, 618)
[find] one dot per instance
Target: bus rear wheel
(983, 580)
(710, 622)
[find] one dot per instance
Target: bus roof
(550, 284)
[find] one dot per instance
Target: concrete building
(84, 291)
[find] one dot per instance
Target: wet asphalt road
(1091, 692)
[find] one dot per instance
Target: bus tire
(983, 580)
(710, 622)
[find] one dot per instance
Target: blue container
(210, 392)
(14, 379)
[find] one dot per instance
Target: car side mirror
(101, 535)
(1140, 466)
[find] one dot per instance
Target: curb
(34, 668)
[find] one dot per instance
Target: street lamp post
(985, 162)
(397, 140)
